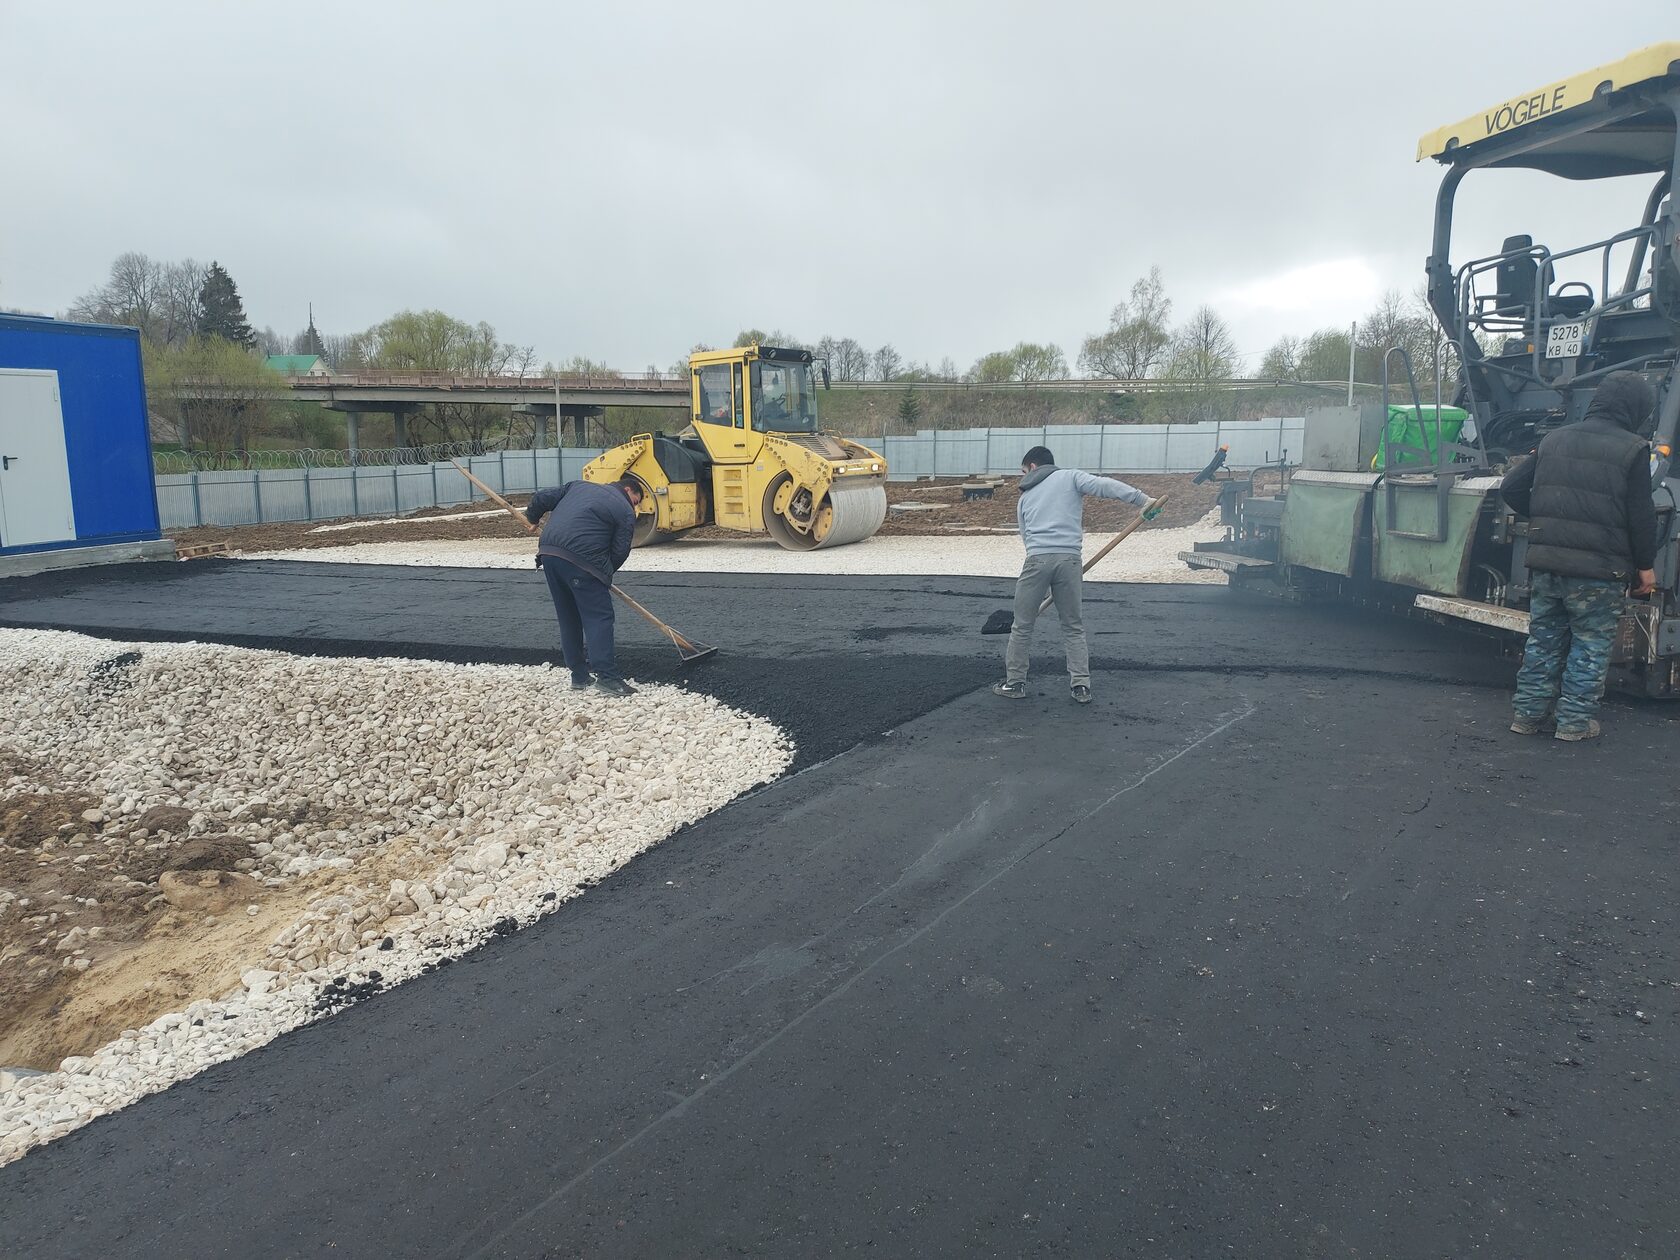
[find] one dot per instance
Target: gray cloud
(621, 181)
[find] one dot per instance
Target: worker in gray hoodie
(1051, 515)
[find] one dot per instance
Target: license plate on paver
(1564, 340)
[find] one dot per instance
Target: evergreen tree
(909, 409)
(222, 313)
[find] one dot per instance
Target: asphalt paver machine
(1397, 501)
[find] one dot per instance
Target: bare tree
(850, 360)
(161, 299)
(181, 306)
(1204, 349)
(1283, 360)
(887, 363)
(520, 361)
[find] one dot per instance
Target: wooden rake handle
(671, 634)
(495, 498)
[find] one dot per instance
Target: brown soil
(1189, 503)
(93, 895)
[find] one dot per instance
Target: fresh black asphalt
(1284, 947)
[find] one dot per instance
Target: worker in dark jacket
(584, 544)
(1592, 538)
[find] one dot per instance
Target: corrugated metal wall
(318, 494)
(103, 397)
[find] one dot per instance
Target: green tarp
(1403, 429)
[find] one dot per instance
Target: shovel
(1002, 621)
(690, 650)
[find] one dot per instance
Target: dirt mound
(30, 818)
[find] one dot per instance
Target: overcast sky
(622, 180)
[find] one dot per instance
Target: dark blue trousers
(583, 603)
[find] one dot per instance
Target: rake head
(694, 652)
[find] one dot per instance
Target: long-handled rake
(1002, 620)
(689, 650)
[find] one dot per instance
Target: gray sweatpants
(1058, 576)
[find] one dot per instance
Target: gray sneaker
(1009, 690)
(613, 686)
(1533, 726)
(1081, 694)
(1592, 730)
(582, 682)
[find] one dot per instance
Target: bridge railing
(452, 380)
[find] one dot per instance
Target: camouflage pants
(1571, 624)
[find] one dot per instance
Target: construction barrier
(259, 495)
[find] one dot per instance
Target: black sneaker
(613, 686)
(582, 682)
(1081, 695)
(1009, 690)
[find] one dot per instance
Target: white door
(34, 472)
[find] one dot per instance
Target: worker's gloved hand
(1152, 509)
(1647, 582)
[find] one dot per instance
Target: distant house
(298, 365)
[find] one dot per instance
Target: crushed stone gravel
(387, 815)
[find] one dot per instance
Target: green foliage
(221, 313)
(751, 337)
(214, 395)
(1137, 340)
(1028, 361)
(1035, 362)
(994, 368)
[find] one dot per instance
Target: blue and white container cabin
(76, 481)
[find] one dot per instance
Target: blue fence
(256, 496)
(1117, 448)
(322, 494)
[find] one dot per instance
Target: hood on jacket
(1625, 399)
(1029, 480)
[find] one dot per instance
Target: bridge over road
(575, 397)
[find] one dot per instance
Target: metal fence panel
(246, 497)
(264, 495)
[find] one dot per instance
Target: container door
(34, 472)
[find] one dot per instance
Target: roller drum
(847, 514)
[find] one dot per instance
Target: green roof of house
(292, 364)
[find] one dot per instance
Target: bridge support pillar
(399, 429)
(580, 417)
(353, 434)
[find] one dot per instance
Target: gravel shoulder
(1146, 556)
(202, 847)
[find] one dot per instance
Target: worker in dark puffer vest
(585, 543)
(1592, 537)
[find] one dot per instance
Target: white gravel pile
(438, 804)
(1150, 555)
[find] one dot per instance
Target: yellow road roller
(752, 459)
